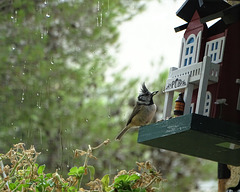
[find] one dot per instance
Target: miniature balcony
(186, 79)
(193, 73)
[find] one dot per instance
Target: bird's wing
(136, 109)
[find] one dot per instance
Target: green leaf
(12, 186)
(92, 172)
(41, 169)
(105, 183)
(121, 178)
(81, 170)
(133, 177)
(48, 175)
(73, 171)
(77, 172)
(72, 189)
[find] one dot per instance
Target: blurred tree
(54, 55)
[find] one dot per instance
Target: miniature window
(188, 57)
(214, 49)
(207, 105)
(190, 50)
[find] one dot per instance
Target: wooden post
(206, 65)
(188, 98)
(168, 104)
(167, 109)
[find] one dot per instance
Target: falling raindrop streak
(98, 6)
(38, 102)
(97, 22)
(100, 16)
(101, 20)
(22, 99)
(40, 134)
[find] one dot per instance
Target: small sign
(177, 83)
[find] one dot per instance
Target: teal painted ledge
(195, 135)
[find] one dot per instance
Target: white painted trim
(206, 67)
(181, 52)
(167, 109)
(192, 107)
(188, 98)
(195, 52)
(198, 45)
(207, 104)
(216, 53)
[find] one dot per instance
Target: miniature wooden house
(208, 75)
(209, 68)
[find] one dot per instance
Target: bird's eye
(140, 97)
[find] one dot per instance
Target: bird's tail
(118, 138)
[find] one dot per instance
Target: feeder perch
(195, 135)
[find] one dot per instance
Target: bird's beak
(154, 93)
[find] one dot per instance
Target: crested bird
(142, 113)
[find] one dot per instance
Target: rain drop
(86, 120)
(98, 6)
(101, 20)
(47, 15)
(46, 149)
(97, 22)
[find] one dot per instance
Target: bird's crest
(144, 89)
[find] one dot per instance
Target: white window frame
(215, 49)
(207, 104)
(190, 51)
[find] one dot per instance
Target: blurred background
(70, 73)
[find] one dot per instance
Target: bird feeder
(195, 135)
(208, 75)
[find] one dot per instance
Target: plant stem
(12, 172)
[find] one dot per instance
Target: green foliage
(27, 175)
(125, 182)
(105, 181)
